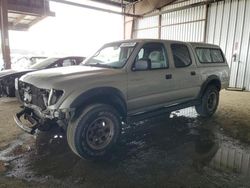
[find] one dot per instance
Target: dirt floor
(181, 151)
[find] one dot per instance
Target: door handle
(168, 76)
(193, 73)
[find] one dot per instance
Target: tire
(209, 102)
(94, 132)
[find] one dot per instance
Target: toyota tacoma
(123, 82)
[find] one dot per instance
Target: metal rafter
(94, 8)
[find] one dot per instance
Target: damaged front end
(38, 108)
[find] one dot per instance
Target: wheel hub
(212, 100)
(100, 133)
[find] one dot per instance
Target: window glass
(67, 62)
(155, 52)
(140, 54)
(217, 56)
(204, 55)
(48, 63)
(181, 55)
(208, 55)
(111, 56)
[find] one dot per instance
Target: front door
(149, 88)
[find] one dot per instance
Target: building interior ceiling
(22, 14)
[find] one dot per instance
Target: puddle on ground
(177, 151)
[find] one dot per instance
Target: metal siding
(225, 25)
(228, 26)
(146, 27)
(247, 70)
(147, 33)
(186, 25)
(238, 39)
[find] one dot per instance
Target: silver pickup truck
(122, 82)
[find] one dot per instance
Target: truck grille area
(30, 94)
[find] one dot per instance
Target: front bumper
(41, 120)
(34, 124)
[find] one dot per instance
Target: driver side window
(154, 54)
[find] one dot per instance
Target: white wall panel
(146, 27)
(146, 33)
(228, 26)
(186, 25)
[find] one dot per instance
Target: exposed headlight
(54, 96)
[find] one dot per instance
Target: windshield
(44, 64)
(111, 56)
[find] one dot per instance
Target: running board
(160, 111)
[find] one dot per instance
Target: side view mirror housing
(142, 64)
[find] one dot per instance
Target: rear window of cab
(209, 55)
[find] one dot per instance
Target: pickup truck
(123, 82)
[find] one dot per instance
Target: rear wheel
(209, 102)
(94, 132)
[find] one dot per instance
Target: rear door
(185, 75)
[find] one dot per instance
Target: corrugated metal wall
(146, 27)
(186, 25)
(228, 25)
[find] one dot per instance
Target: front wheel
(209, 102)
(94, 132)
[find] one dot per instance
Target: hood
(10, 72)
(64, 77)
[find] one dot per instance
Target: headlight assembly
(54, 96)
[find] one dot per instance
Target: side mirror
(142, 64)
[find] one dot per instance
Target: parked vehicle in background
(25, 62)
(123, 82)
(7, 77)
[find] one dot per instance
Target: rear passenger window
(209, 55)
(181, 55)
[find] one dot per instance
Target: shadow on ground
(181, 151)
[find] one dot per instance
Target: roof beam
(94, 8)
(109, 2)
